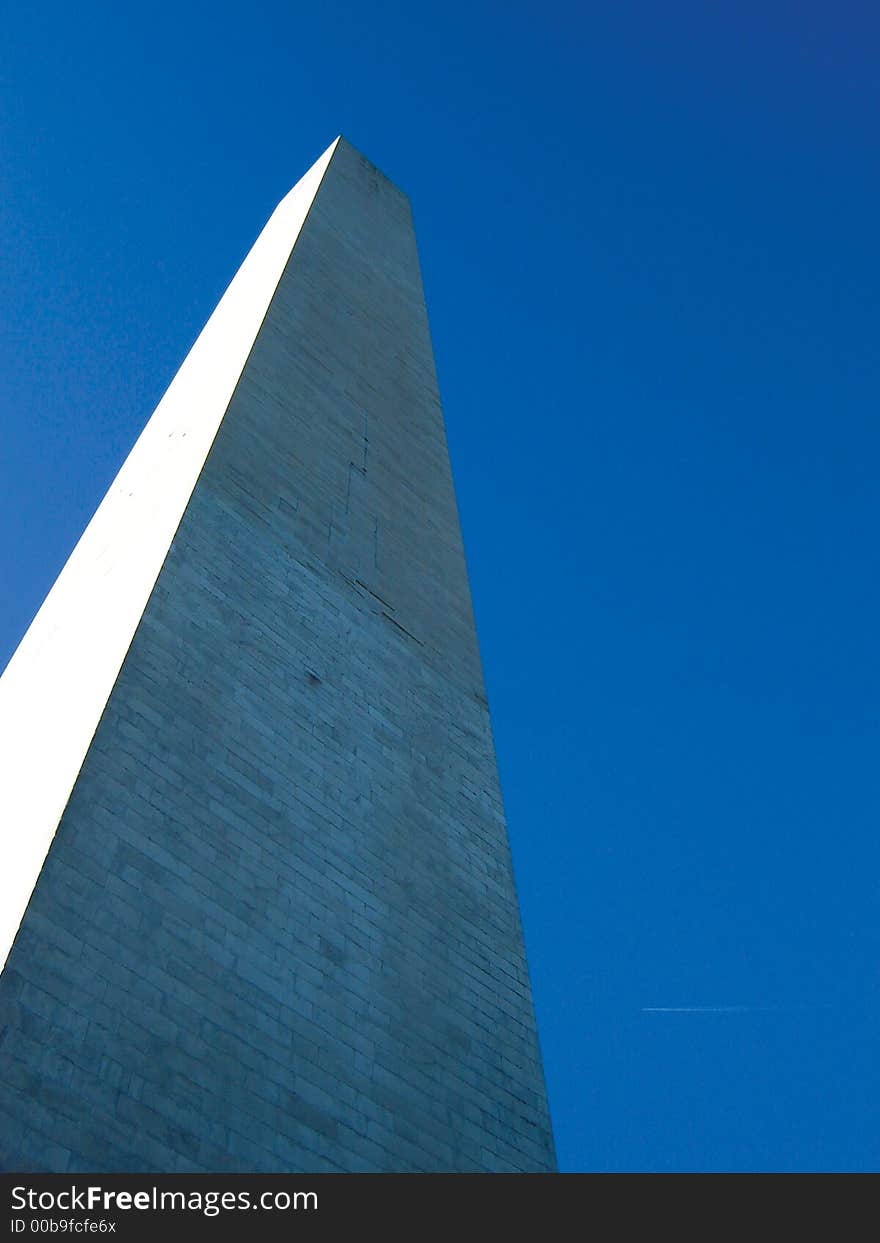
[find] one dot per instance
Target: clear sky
(649, 238)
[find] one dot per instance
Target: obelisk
(255, 861)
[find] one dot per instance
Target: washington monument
(257, 900)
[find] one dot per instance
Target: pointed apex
(310, 181)
(343, 147)
(328, 154)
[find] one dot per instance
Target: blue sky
(649, 241)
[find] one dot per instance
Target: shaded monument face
(257, 845)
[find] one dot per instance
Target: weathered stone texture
(277, 928)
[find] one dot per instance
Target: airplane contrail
(708, 1009)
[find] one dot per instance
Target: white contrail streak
(706, 1009)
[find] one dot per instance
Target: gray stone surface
(277, 928)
